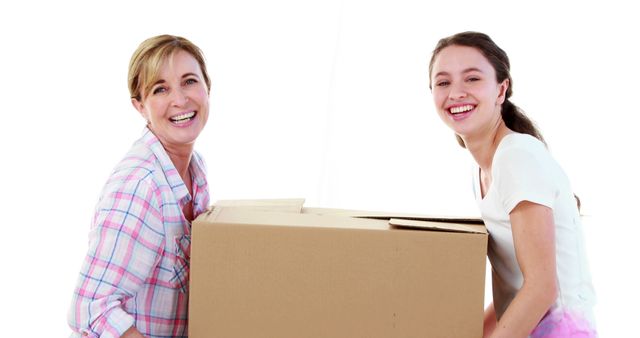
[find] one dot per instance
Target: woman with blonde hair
(134, 279)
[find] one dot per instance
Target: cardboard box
(313, 272)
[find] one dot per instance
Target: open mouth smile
(183, 118)
(461, 109)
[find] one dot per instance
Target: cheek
(155, 110)
(439, 99)
(204, 96)
(199, 95)
(204, 101)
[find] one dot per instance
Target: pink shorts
(562, 323)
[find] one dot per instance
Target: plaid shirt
(136, 269)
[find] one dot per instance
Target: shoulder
(136, 174)
(522, 158)
(138, 164)
(515, 143)
(521, 150)
(524, 170)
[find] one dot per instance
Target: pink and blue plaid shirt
(136, 270)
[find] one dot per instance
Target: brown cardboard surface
(279, 205)
(270, 274)
(388, 215)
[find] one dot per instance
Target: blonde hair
(146, 61)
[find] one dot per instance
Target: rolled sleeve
(116, 323)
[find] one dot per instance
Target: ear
(140, 108)
(502, 91)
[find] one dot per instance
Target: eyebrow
(466, 70)
(190, 74)
(183, 76)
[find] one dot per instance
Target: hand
(132, 333)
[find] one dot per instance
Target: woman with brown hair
(541, 281)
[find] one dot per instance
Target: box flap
(293, 205)
(390, 215)
(436, 225)
(244, 216)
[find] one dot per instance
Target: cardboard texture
(279, 205)
(256, 273)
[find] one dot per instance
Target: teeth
(461, 109)
(184, 116)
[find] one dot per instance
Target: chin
(184, 138)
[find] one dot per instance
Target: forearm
(490, 321)
(525, 311)
(534, 241)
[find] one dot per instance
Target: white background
(326, 100)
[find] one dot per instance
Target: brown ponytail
(515, 119)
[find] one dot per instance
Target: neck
(483, 147)
(181, 157)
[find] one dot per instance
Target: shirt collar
(198, 170)
(178, 187)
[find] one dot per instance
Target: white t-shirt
(523, 170)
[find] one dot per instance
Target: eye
(442, 83)
(473, 79)
(159, 90)
(190, 81)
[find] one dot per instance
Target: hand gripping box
(310, 272)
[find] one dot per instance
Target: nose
(457, 92)
(179, 97)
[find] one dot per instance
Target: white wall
(326, 100)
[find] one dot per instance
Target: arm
(490, 321)
(124, 245)
(534, 239)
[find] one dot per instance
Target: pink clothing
(136, 270)
(560, 324)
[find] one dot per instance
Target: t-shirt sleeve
(522, 174)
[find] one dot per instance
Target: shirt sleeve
(125, 244)
(523, 174)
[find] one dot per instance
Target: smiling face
(466, 94)
(177, 104)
